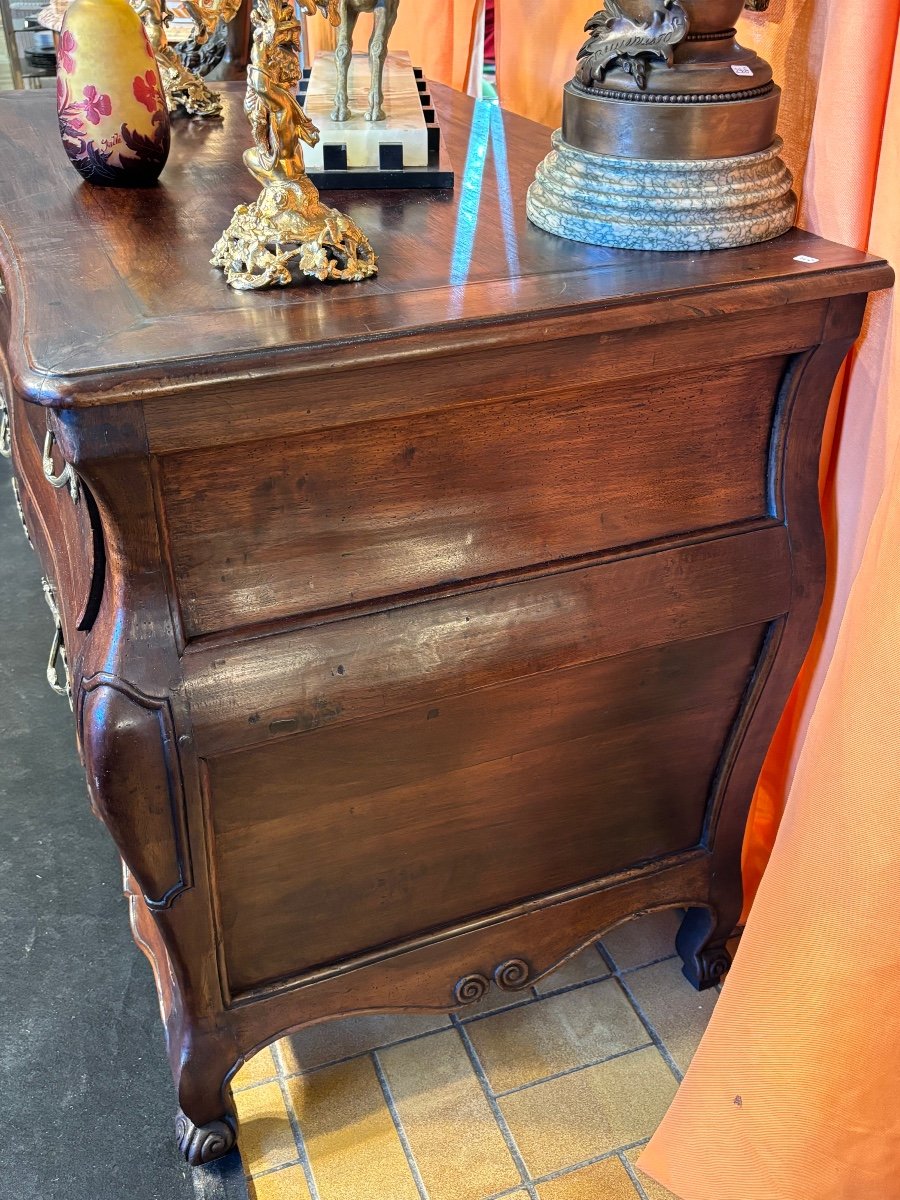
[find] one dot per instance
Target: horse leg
(342, 56)
(378, 48)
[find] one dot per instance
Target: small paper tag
(740, 69)
(804, 258)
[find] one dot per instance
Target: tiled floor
(548, 1098)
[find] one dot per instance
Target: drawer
(415, 769)
(62, 521)
(331, 518)
(423, 819)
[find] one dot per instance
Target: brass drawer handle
(66, 477)
(57, 648)
(5, 436)
(21, 511)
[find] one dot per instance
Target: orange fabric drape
(790, 1093)
(832, 120)
(787, 1094)
(833, 124)
(535, 47)
(437, 33)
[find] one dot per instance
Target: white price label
(739, 69)
(804, 258)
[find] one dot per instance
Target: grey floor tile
(679, 1014)
(644, 939)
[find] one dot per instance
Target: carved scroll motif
(509, 976)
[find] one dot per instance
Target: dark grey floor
(86, 1099)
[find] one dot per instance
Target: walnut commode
(668, 135)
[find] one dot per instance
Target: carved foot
(376, 114)
(340, 112)
(707, 967)
(702, 948)
(201, 1144)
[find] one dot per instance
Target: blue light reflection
(487, 130)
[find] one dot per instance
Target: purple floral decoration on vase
(122, 155)
(65, 51)
(95, 105)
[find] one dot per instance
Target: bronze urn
(668, 79)
(668, 138)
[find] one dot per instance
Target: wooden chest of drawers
(416, 631)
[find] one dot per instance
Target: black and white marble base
(360, 154)
(705, 204)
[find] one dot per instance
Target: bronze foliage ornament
(618, 39)
(287, 228)
(669, 134)
(182, 87)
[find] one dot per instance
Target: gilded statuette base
(288, 231)
(663, 204)
(182, 88)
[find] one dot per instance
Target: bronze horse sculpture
(385, 12)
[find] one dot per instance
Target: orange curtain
(833, 124)
(439, 35)
(836, 142)
(535, 47)
(787, 1094)
(790, 1094)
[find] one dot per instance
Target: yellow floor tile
(607, 1180)
(265, 1136)
(677, 1012)
(583, 967)
(590, 1112)
(331, 1041)
(351, 1142)
(643, 940)
(258, 1069)
(448, 1122)
(654, 1190)
(289, 1184)
(556, 1034)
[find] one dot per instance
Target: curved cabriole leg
(205, 1124)
(701, 942)
(202, 1144)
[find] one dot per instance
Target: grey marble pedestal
(635, 204)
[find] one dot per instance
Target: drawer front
(375, 779)
(62, 521)
(360, 837)
(332, 518)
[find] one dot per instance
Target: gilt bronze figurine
(182, 87)
(287, 227)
